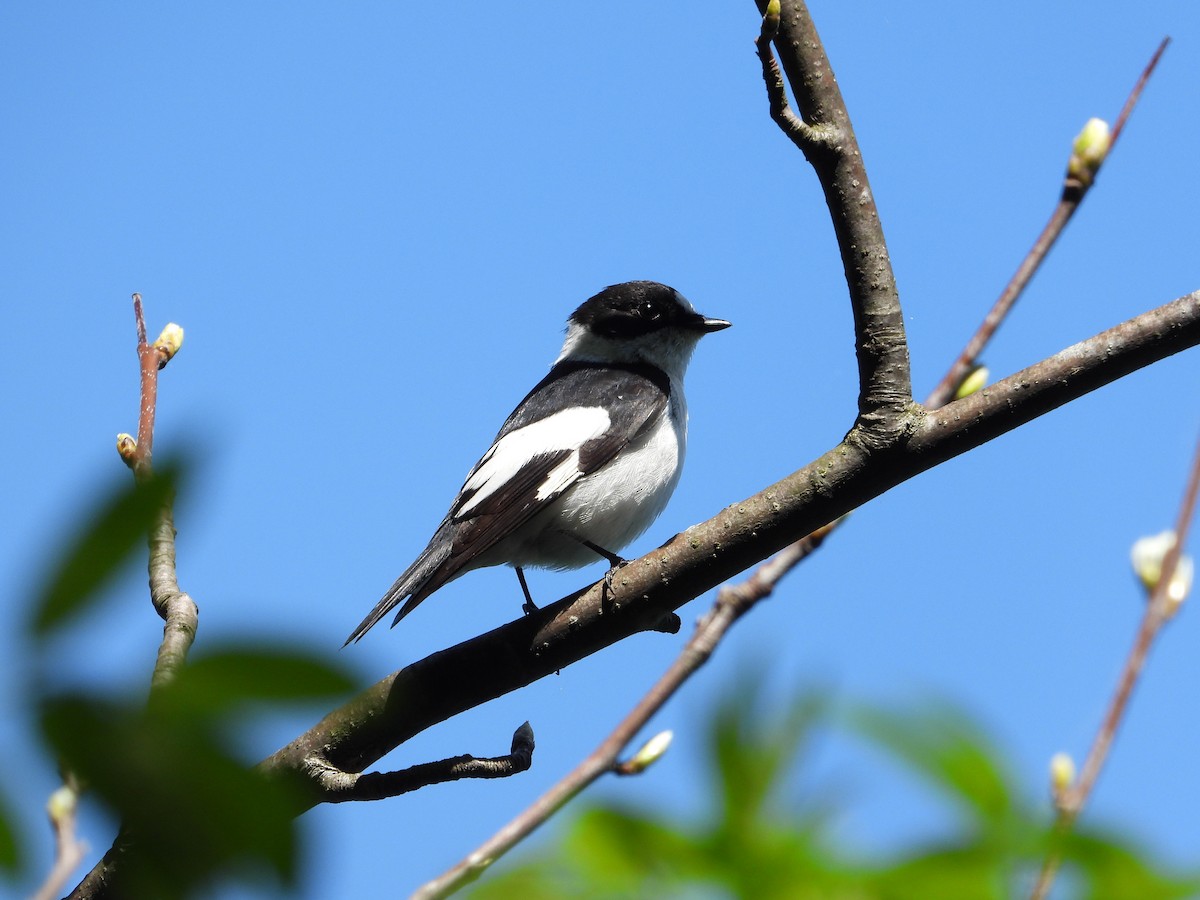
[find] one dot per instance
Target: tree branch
(830, 146)
(892, 441)
(1160, 607)
(809, 140)
(732, 603)
(177, 609)
(514, 655)
(338, 786)
(1078, 181)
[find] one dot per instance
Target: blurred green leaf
(944, 746)
(190, 808)
(231, 676)
(758, 842)
(754, 744)
(115, 528)
(10, 852)
(973, 871)
(1112, 869)
(618, 849)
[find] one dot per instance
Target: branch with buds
(1166, 574)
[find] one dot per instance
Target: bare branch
(353, 737)
(1159, 610)
(732, 603)
(1136, 93)
(1074, 189)
(177, 609)
(827, 140)
(446, 683)
(798, 132)
(338, 786)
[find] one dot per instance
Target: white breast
(612, 506)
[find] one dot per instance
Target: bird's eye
(649, 311)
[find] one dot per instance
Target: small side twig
(804, 136)
(1159, 609)
(69, 851)
(731, 604)
(1076, 185)
(178, 610)
(338, 786)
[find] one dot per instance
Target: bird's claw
(608, 576)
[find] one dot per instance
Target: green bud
(169, 342)
(1089, 150)
(1147, 558)
(975, 379)
(770, 23)
(650, 753)
(1062, 777)
(126, 446)
(61, 804)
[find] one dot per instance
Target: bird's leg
(528, 607)
(615, 562)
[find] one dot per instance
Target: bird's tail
(422, 578)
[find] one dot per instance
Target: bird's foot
(528, 607)
(608, 576)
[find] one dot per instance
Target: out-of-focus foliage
(760, 840)
(194, 809)
(10, 854)
(109, 537)
(197, 813)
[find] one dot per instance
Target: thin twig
(1157, 614)
(148, 358)
(1073, 191)
(178, 610)
(340, 786)
(732, 603)
(797, 130)
(1136, 93)
(69, 851)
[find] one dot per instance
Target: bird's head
(637, 321)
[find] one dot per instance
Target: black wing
(502, 493)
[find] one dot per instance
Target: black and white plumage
(586, 461)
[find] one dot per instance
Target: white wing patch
(566, 430)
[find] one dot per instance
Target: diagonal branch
(1078, 181)
(1160, 607)
(514, 655)
(733, 602)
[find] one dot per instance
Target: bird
(585, 463)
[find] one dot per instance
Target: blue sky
(373, 221)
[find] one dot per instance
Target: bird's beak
(707, 325)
